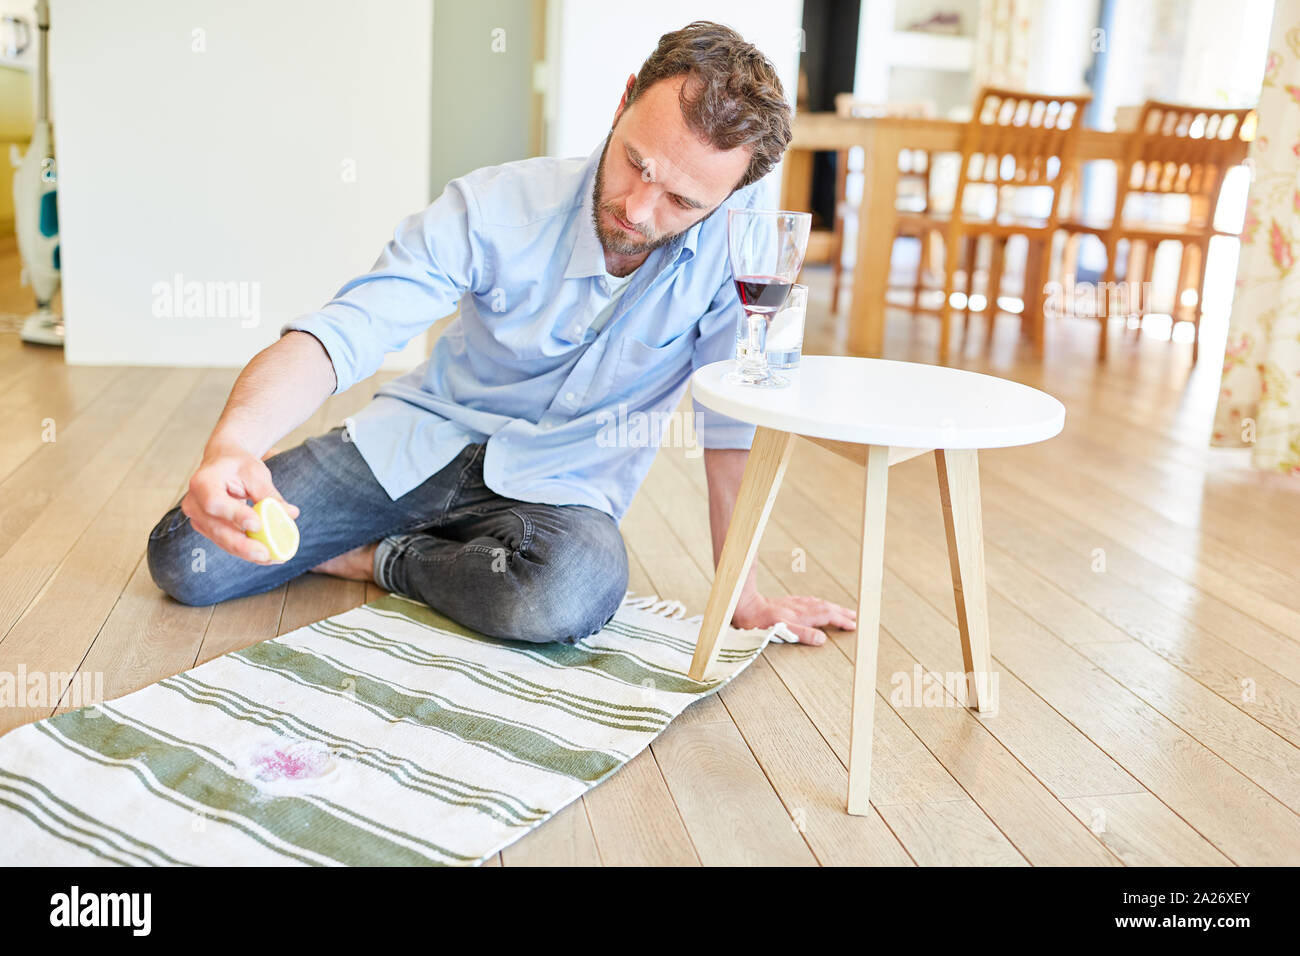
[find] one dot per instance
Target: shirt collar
(587, 257)
(687, 240)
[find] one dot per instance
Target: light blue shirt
(520, 368)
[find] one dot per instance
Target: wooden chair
(1013, 141)
(1175, 150)
(913, 165)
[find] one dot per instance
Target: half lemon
(278, 532)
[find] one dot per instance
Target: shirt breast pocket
(651, 369)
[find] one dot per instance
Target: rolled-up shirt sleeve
(434, 257)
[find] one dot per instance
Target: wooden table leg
(959, 491)
(768, 457)
(870, 574)
(995, 284)
(1148, 273)
(877, 226)
(1032, 313)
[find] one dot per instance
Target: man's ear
(622, 103)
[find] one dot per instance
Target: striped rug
(384, 735)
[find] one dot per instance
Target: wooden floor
(1144, 600)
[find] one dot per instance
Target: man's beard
(617, 241)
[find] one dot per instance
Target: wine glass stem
(756, 359)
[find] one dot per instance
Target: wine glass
(766, 247)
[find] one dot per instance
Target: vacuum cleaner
(36, 214)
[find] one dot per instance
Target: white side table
(877, 413)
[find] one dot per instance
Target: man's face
(656, 178)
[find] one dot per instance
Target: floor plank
(63, 576)
(748, 797)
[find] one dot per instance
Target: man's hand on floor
(803, 615)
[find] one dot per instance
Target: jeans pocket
(471, 469)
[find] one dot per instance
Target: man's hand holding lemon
(217, 506)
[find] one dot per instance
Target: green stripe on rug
(70, 821)
(526, 743)
(620, 664)
(653, 717)
(404, 772)
(182, 771)
(64, 837)
(678, 644)
(320, 802)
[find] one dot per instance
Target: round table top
(883, 402)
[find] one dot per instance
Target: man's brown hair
(732, 96)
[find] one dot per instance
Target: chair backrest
(1184, 150)
(1018, 139)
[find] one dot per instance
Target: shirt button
(570, 397)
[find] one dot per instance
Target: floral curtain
(1259, 396)
(1002, 44)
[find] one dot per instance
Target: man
(483, 483)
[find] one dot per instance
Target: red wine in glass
(763, 293)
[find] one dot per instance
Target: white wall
(1187, 51)
(943, 80)
(213, 139)
(1227, 47)
(593, 45)
(1060, 45)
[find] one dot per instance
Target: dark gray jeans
(507, 568)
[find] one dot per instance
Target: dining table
(882, 138)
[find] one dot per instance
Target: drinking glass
(785, 331)
(766, 248)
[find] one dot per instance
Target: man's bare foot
(355, 565)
